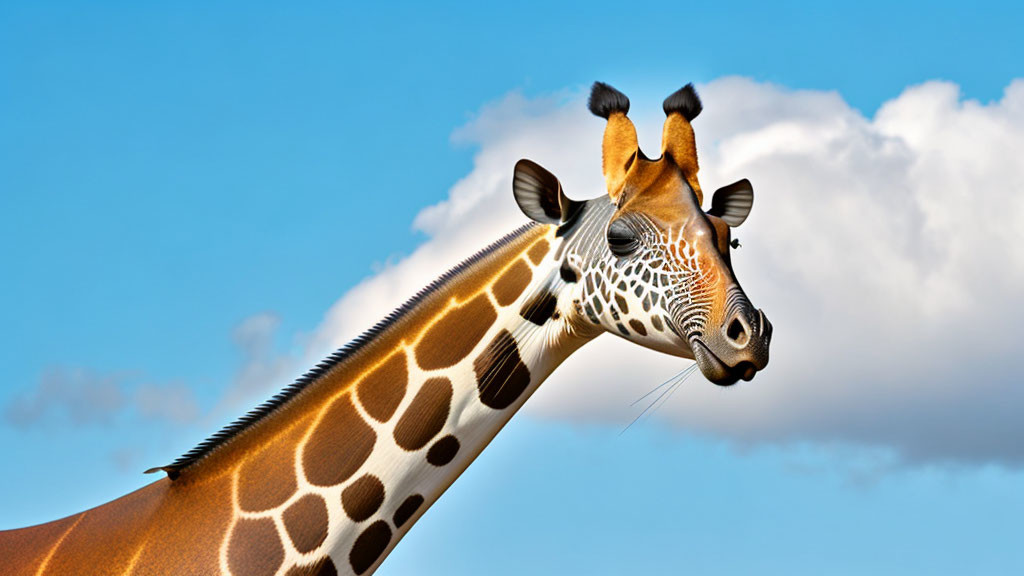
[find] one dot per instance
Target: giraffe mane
(257, 414)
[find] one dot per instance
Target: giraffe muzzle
(738, 351)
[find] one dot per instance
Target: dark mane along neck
(353, 355)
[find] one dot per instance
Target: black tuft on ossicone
(605, 100)
(685, 101)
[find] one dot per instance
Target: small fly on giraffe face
(651, 265)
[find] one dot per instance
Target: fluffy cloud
(83, 397)
(887, 251)
(262, 366)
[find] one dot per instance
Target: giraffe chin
(712, 367)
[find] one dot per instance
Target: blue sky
(185, 189)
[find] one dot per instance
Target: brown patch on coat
(266, 479)
(382, 390)
(501, 376)
(407, 509)
(656, 322)
(540, 308)
(512, 283)
(254, 548)
(306, 522)
(339, 445)
(443, 451)
(369, 546)
(638, 327)
(426, 414)
(454, 336)
(363, 497)
(538, 251)
(621, 303)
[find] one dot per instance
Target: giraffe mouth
(717, 371)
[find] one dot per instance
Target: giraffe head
(646, 262)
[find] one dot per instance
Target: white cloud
(85, 397)
(263, 368)
(888, 253)
(82, 396)
(175, 403)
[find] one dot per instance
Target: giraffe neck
(368, 448)
(329, 477)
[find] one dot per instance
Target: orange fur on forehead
(658, 190)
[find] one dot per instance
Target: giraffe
(327, 476)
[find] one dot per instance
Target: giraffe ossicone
(329, 475)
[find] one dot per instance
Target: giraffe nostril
(737, 332)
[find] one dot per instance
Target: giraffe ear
(732, 203)
(539, 194)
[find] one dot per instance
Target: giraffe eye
(622, 239)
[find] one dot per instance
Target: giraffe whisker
(678, 378)
(675, 387)
(659, 386)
